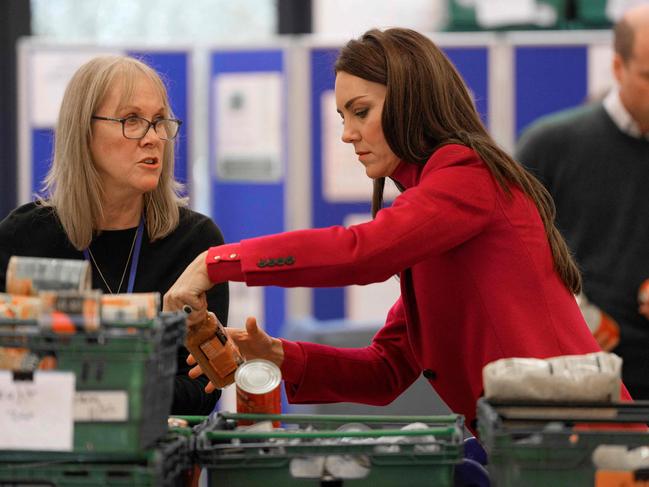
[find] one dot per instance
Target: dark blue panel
(172, 66)
(327, 303)
(471, 62)
(248, 209)
(548, 79)
(42, 153)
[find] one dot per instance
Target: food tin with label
(258, 390)
(29, 275)
(643, 292)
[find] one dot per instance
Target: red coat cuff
(293, 365)
(224, 263)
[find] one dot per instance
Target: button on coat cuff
(293, 365)
(224, 263)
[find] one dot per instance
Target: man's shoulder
(567, 122)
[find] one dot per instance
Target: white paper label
(101, 406)
(36, 414)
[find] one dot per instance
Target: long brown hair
(427, 105)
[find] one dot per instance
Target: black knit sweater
(36, 231)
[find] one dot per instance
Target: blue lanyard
(134, 259)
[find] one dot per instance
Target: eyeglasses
(137, 127)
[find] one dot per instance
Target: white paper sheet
(495, 13)
(50, 72)
(248, 126)
(37, 414)
(370, 303)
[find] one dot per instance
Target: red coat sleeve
(452, 203)
(375, 375)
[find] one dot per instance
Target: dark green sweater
(599, 179)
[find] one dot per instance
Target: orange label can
(643, 292)
(258, 389)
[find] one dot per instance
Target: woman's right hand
(253, 342)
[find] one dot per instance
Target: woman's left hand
(190, 287)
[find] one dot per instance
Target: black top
(598, 177)
(35, 231)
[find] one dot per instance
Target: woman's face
(128, 167)
(360, 104)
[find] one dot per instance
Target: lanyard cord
(136, 245)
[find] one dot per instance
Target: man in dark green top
(594, 160)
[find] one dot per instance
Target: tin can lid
(258, 376)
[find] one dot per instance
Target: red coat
(477, 284)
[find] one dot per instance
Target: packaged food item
(16, 307)
(258, 388)
(129, 308)
(592, 377)
(602, 325)
(209, 345)
(29, 275)
(643, 292)
(70, 311)
(25, 360)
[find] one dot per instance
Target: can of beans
(29, 275)
(643, 292)
(258, 389)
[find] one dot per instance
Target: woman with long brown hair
(484, 273)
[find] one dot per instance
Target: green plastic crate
(539, 445)
(592, 13)
(256, 459)
(139, 360)
(166, 465)
(462, 17)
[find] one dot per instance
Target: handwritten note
(36, 413)
(99, 406)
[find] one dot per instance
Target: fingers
(251, 325)
(195, 372)
(209, 388)
(190, 360)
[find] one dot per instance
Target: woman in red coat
(484, 272)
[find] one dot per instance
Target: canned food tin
(643, 292)
(15, 307)
(258, 389)
(29, 275)
(70, 311)
(129, 308)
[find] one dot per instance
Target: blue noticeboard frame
(471, 61)
(173, 67)
(246, 209)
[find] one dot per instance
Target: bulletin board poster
(340, 188)
(44, 72)
(247, 159)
